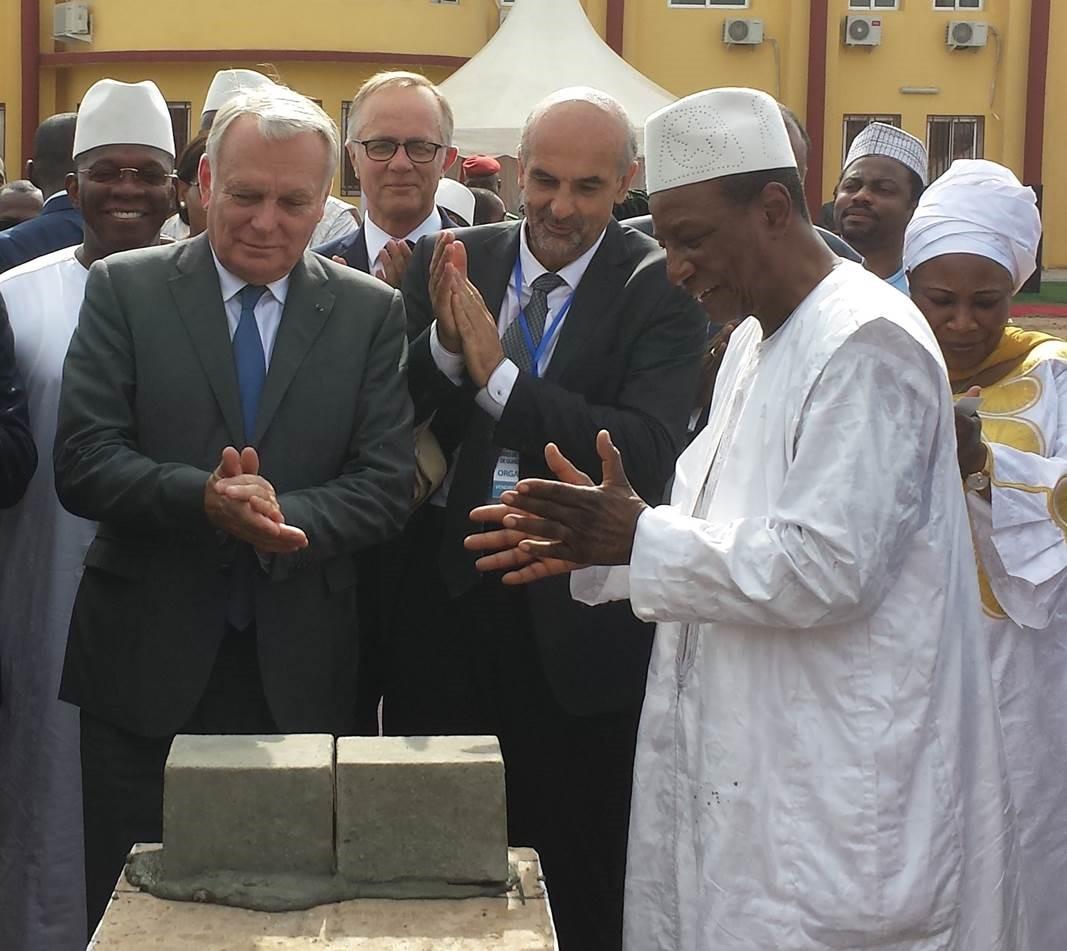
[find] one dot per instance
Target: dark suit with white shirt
(59, 225)
(560, 683)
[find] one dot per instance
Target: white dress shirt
(268, 312)
(377, 239)
(493, 397)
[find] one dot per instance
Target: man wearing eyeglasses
(399, 141)
(124, 160)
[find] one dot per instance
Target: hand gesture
(478, 333)
(971, 452)
(394, 260)
(440, 287)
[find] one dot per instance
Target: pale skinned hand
(440, 287)
(482, 350)
(241, 503)
(394, 261)
(589, 525)
(520, 566)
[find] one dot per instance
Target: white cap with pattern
(882, 139)
(230, 83)
(114, 113)
(713, 134)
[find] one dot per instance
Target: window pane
(727, 3)
(179, 122)
(970, 4)
(688, 3)
(349, 184)
(886, 4)
(944, 4)
(939, 139)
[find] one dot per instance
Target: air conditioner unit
(863, 31)
(966, 34)
(742, 32)
(72, 21)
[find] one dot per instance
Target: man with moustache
(218, 593)
(523, 333)
(884, 175)
(124, 157)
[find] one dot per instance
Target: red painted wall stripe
(815, 118)
(613, 28)
(91, 57)
(30, 54)
(1037, 74)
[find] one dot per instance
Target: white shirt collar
(571, 273)
(376, 238)
(231, 284)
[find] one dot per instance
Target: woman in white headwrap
(970, 246)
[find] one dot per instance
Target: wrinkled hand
(482, 350)
(243, 504)
(521, 567)
(971, 452)
(394, 261)
(440, 287)
(582, 524)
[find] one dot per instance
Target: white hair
(594, 97)
(281, 113)
(398, 79)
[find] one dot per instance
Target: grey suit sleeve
(18, 454)
(369, 500)
(100, 474)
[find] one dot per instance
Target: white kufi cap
(457, 198)
(230, 83)
(977, 207)
(114, 113)
(882, 139)
(713, 134)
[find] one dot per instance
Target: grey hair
(594, 97)
(398, 79)
(281, 113)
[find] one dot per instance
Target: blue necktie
(249, 359)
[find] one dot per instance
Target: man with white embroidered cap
(819, 763)
(124, 158)
(884, 175)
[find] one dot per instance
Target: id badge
(505, 473)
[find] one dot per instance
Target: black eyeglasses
(106, 174)
(418, 150)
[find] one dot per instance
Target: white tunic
(819, 763)
(42, 892)
(1021, 537)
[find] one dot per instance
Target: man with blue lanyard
(525, 333)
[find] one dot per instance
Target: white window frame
(869, 5)
(956, 8)
(708, 5)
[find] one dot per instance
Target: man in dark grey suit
(605, 342)
(218, 596)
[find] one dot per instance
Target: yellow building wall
(1054, 171)
(10, 83)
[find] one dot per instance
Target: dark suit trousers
(122, 773)
(471, 666)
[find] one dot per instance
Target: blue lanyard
(539, 350)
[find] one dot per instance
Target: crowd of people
(747, 538)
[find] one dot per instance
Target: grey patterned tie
(536, 311)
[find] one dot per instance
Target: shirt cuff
(449, 363)
(494, 396)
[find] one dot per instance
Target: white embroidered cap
(713, 134)
(114, 113)
(977, 207)
(230, 83)
(456, 198)
(881, 139)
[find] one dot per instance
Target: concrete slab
(421, 808)
(249, 803)
(517, 921)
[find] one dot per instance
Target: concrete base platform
(518, 921)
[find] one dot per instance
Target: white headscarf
(977, 207)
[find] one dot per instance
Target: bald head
(572, 108)
(19, 201)
(488, 207)
(799, 140)
(53, 158)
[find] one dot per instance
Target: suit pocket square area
(117, 559)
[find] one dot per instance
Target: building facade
(972, 78)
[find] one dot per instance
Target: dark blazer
(353, 247)
(626, 360)
(149, 400)
(18, 455)
(59, 225)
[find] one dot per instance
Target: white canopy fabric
(542, 46)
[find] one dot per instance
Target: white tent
(542, 46)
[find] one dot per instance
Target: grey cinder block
(421, 808)
(251, 803)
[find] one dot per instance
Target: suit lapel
(490, 268)
(356, 253)
(597, 295)
(308, 304)
(198, 297)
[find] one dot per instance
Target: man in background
(20, 201)
(59, 225)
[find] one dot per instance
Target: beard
(554, 247)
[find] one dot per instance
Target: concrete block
(421, 808)
(249, 803)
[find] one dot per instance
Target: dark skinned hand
(582, 524)
(971, 452)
